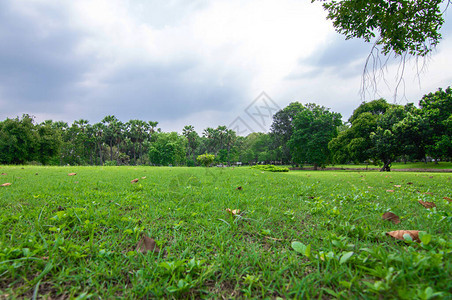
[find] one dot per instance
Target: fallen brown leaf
(398, 234)
(233, 212)
(6, 184)
(447, 198)
(4, 174)
(409, 183)
(427, 204)
(134, 180)
(239, 188)
(428, 193)
(147, 244)
(390, 191)
(391, 217)
(71, 174)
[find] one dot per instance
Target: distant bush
(205, 159)
(110, 163)
(270, 168)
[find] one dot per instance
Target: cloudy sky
(204, 63)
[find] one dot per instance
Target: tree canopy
(398, 26)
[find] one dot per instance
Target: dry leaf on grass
(409, 183)
(6, 184)
(391, 217)
(4, 174)
(147, 244)
(397, 185)
(427, 204)
(447, 198)
(134, 180)
(71, 174)
(233, 212)
(144, 177)
(398, 234)
(239, 188)
(390, 191)
(428, 193)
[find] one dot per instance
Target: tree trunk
(141, 153)
(100, 154)
(134, 154)
(111, 151)
(386, 166)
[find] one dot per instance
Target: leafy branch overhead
(402, 26)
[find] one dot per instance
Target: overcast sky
(204, 63)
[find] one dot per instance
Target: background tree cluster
(377, 132)
(382, 132)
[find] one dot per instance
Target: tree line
(377, 132)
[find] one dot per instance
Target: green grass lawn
(297, 235)
(401, 165)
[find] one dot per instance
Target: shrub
(271, 168)
(205, 159)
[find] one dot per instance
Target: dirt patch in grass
(223, 290)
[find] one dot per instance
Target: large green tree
(354, 144)
(168, 149)
(48, 144)
(313, 128)
(282, 128)
(18, 140)
(436, 110)
(192, 141)
(113, 132)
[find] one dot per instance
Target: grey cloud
(338, 58)
(164, 93)
(37, 64)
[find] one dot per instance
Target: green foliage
(192, 143)
(168, 149)
(386, 142)
(205, 159)
(314, 128)
(436, 111)
(22, 141)
(270, 168)
(398, 26)
(282, 128)
(377, 132)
